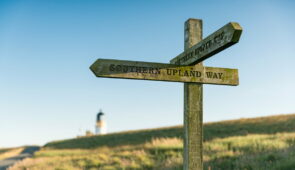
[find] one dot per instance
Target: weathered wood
(192, 76)
(214, 43)
(164, 72)
(193, 107)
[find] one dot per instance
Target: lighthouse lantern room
(100, 126)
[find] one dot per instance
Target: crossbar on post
(193, 106)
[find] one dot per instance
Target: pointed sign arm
(164, 72)
(214, 43)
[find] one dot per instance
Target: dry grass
(256, 151)
(164, 143)
(10, 152)
(100, 158)
(266, 143)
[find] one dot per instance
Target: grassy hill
(257, 143)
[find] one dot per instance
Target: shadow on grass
(241, 127)
(117, 139)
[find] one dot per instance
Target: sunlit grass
(10, 152)
(231, 146)
(250, 152)
(239, 152)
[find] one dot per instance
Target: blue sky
(46, 48)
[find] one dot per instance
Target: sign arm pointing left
(164, 72)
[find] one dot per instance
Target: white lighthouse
(100, 126)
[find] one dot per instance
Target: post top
(193, 19)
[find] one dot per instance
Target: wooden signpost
(186, 68)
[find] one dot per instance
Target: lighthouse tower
(100, 126)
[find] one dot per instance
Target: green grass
(261, 143)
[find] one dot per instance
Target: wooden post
(193, 106)
(193, 88)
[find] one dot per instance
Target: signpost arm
(193, 106)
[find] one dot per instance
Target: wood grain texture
(214, 43)
(193, 107)
(164, 72)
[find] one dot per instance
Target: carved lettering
(169, 72)
(204, 47)
(174, 72)
(164, 72)
(144, 70)
(209, 74)
(220, 75)
(118, 68)
(157, 71)
(214, 75)
(192, 73)
(214, 43)
(132, 68)
(125, 69)
(187, 73)
(112, 67)
(151, 70)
